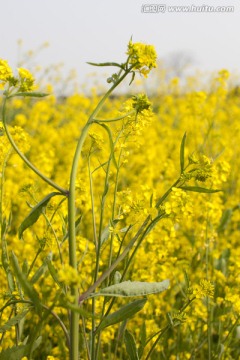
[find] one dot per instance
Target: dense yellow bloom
(26, 80)
(141, 102)
(178, 204)
(5, 72)
(204, 289)
(142, 56)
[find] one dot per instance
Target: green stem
(92, 288)
(74, 319)
(160, 201)
(115, 119)
(225, 342)
(74, 322)
(23, 157)
(5, 256)
(156, 341)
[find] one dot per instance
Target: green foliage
(122, 314)
(26, 285)
(13, 321)
(18, 352)
(35, 213)
(198, 189)
(130, 345)
(182, 152)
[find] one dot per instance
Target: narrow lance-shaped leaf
(13, 321)
(199, 189)
(54, 274)
(182, 152)
(130, 346)
(35, 213)
(29, 94)
(41, 270)
(122, 314)
(26, 285)
(133, 288)
(105, 64)
(111, 143)
(226, 218)
(143, 339)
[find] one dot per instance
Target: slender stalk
(115, 119)
(225, 341)
(74, 318)
(23, 157)
(156, 341)
(55, 236)
(29, 302)
(92, 203)
(60, 323)
(160, 201)
(106, 185)
(74, 323)
(5, 256)
(97, 245)
(92, 288)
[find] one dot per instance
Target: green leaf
(133, 288)
(105, 64)
(143, 339)
(18, 352)
(26, 285)
(35, 213)
(77, 223)
(198, 189)
(104, 235)
(122, 314)
(7, 268)
(226, 218)
(79, 310)
(13, 321)
(54, 274)
(14, 353)
(133, 77)
(111, 143)
(41, 270)
(182, 150)
(29, 94)
(130, 345)
(25, 267)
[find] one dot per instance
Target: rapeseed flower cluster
(24, 82)
(142, 56)
(5, 72)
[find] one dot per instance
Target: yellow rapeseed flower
(142, 56)
(26, 80)
(205, 289)
(5, 72)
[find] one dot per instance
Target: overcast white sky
(80, 31)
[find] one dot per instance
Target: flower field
(127, 247)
